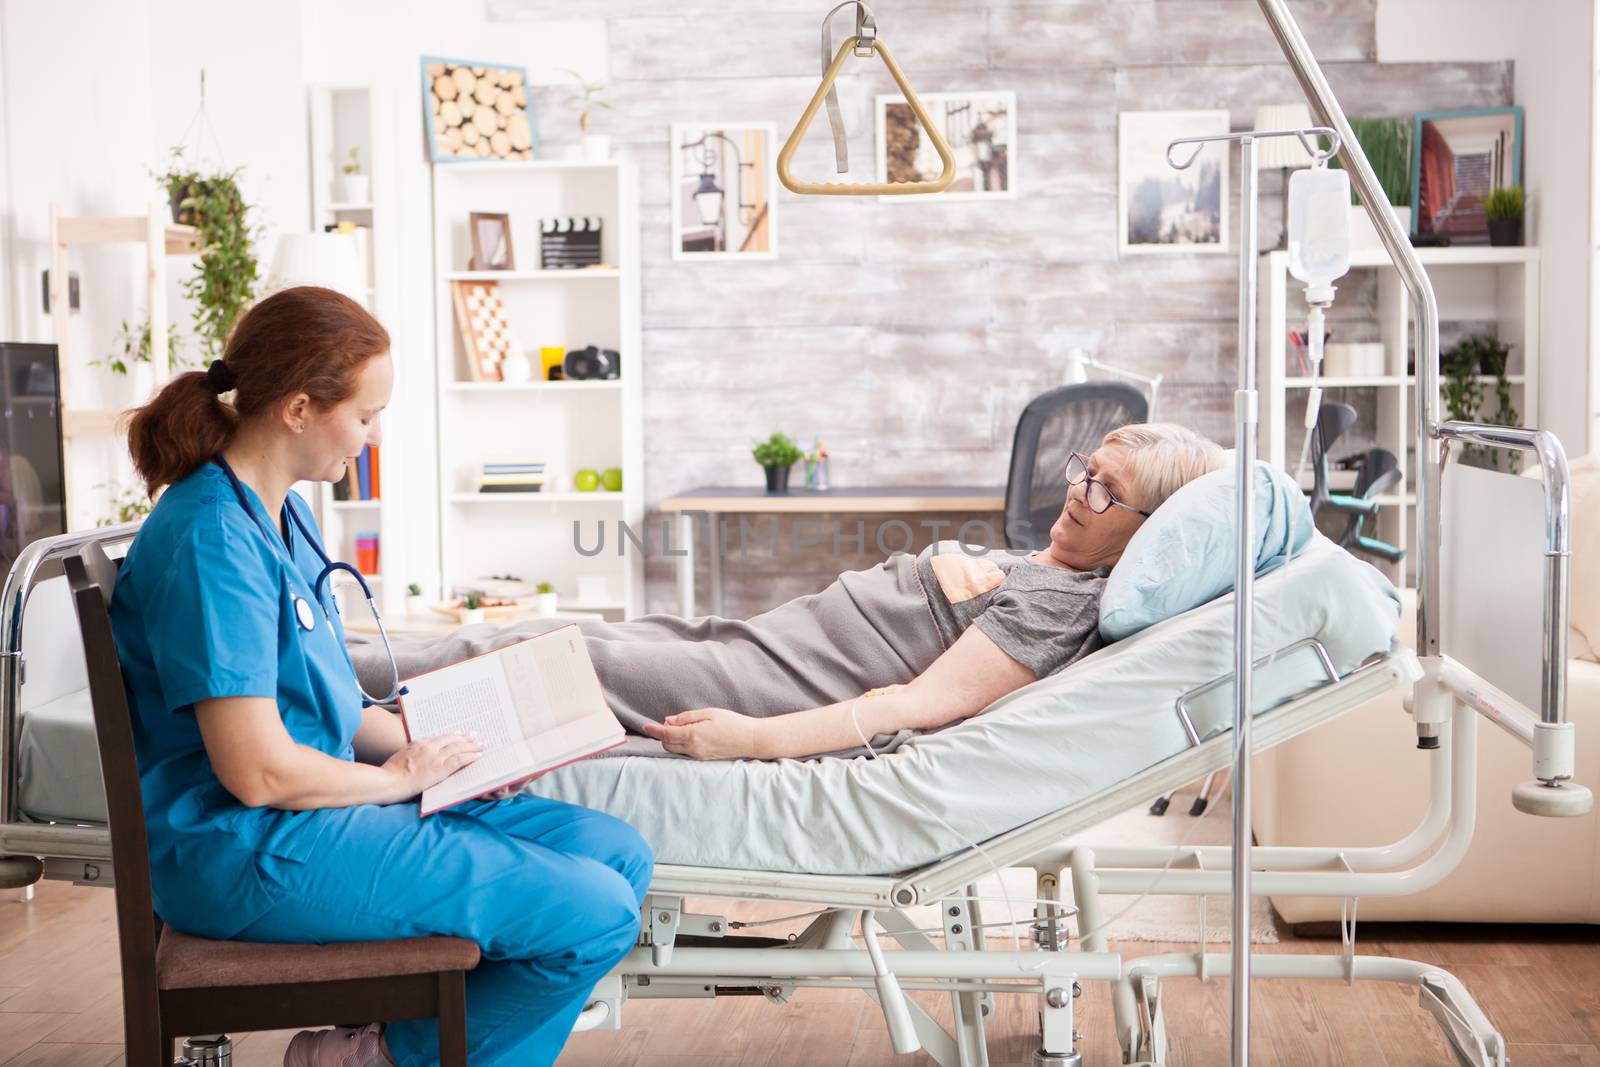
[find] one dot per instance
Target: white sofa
(1360, 780)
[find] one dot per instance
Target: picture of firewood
(476, 111)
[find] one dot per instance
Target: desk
(878, 499)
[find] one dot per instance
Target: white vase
(355, 188)
(471, 616)
(1364, 235)
(516, 368)
(545, 603)
(596, 146)
(417, 607)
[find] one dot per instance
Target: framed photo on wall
(475, 110)
(1457, 158)
(980, 128)
(1161, 209)
(724, 177)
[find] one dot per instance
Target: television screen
(32, 490)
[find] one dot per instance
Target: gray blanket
(869, 628)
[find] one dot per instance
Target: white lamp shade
(326, 259)
(1277, 152)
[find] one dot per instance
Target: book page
(534, 705)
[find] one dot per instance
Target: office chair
(1377, 471)
(1070, 418)
(176, 985)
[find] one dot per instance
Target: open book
(535, 705)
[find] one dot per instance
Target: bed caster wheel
(212, 1050)
(1041, 1058)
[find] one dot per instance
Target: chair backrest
(92, 576)
(1071, 418)
(1333, 419)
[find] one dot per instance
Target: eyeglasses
(1097, 495)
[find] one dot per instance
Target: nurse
(278, 807)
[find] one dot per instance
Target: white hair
(1164, 456)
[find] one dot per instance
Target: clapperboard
(569, 242)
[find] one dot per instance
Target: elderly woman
(928, 640)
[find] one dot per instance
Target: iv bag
(1319, 228)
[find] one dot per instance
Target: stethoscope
(303, 612)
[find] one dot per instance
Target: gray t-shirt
(1042, 616)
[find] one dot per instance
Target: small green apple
(586, 480)
(611, 478)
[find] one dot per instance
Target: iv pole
(1246, 411)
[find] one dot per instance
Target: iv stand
(1246, 410)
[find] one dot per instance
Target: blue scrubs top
(204, 607)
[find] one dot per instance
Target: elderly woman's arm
(971, 674)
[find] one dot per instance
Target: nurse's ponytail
(300, 340)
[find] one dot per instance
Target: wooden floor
(60, 1007)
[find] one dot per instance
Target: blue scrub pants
(549, 890)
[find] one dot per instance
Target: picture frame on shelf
(724, 180)
(491, 241)
(1457, 159)
(473, 110)
(1162, 210)
(981, 129)
(486, 339)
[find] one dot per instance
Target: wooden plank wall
(911, 336)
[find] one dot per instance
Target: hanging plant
(1463, 391)
(225, 280)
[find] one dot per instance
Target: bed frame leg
(1058, 1042)
(962, 934)
(1091, 917)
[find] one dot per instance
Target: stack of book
(567, 243)
(518, 476)
(361, 480)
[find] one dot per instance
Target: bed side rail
(19, 583)
(1547, 732)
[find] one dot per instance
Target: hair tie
(220, 377)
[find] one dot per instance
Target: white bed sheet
(1040, 749)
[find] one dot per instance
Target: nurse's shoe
(343, 1046)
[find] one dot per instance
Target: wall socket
(72, 289)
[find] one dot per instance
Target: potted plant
(1464, 366)
(224, 283)
(356, 187)
(1504, 207)
(545, 598)
(128, 504)
(776, 455)
(416, 603)
(472, 609)
(587, 98)
(130, 361)
(1387, 144)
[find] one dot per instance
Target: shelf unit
(1482, 287)
(343, 116)
(161, 239)
(569, 425)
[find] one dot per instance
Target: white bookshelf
(1492, 289)
(570, 425)
(344, 116)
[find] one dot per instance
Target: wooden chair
(174, 984)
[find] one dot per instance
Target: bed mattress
(1047, 746)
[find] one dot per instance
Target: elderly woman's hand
(709, 733)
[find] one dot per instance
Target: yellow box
(550, 356)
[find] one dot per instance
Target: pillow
(1183, 555)
(1583, 570)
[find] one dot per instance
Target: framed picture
(723, 180)
(1160, 208)
(980, 128)
(1457, 157)
(474, 110)
(491, 241)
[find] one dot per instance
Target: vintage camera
(592, 362)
